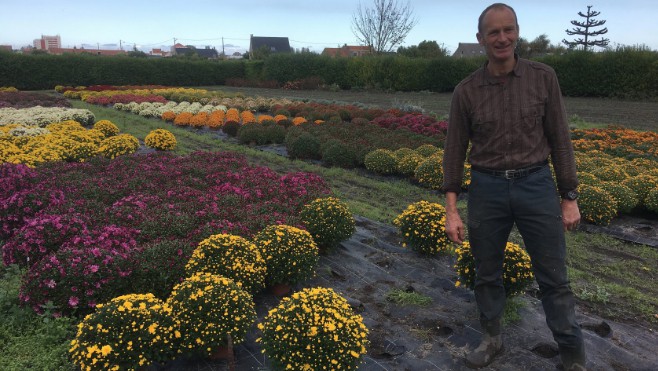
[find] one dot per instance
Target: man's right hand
(454, 225)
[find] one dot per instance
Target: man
(511, 113)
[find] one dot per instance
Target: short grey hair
(496, 6)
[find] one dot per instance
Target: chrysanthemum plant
(329, 221)
(290, 253)
(129, 332)
(314, 329)
(422, 227)
(231, 256)
(161, 139)
(211, 312)
(517, 270)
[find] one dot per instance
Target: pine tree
(584, 29)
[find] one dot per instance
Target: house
(348, 51)
(157, 52)
(7, 48)
(104, 52)
(271, 44)
(207, 53)
(469, 50)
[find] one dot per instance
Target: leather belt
(513, 173)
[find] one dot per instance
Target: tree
(425, 49)
(384, 26)
(538, 47)
(583, 29)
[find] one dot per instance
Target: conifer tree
(585, 29)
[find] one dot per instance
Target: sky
(313, 24)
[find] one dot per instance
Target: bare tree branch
(383, 26)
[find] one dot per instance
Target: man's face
(499, 34)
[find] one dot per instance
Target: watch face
(572, 195)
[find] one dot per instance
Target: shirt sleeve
(558, 134)
(456, 143)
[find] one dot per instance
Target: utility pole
(223, 54)
(120, 45)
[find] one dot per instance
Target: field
(613, 279)
(639, 115)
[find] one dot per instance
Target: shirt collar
(488, 79)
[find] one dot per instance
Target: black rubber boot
(486, 352)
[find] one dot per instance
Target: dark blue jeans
(495, 204)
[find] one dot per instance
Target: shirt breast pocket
(533, 115)
(483, 125)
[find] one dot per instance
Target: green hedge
(625, 73)
(37, 72)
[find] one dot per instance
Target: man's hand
(454, 224)
(570, 215)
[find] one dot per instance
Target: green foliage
(39, 72)
(381, 161)
(625, 197)
(641, 185)
(403, 297)
(651, 202)
(427, 150)
(596, 205)
(625, 73)
(22, 331)
(305, 146)
(430, 172)
(231, 128)
(408, 164)
(337, 153)
(162, 265)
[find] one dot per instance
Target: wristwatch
(571, 195)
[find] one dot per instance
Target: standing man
(512, 114)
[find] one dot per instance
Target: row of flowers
(18, 99)
(81, 229)
(610, 186)
(309, 330)
(214, 306)
(71, 142)
(312, 112)
(42, 116)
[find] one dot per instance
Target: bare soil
(436, 337)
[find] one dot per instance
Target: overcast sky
(313, 24)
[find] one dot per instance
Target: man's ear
(480, 39)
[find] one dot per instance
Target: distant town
(257, 45)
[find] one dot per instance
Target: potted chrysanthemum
(517, 270)
(422, 227)
(329, 221)
(290, 253)
(160, 139)
(231, 256)
(313, 329)
(212, 312)
(129, 332)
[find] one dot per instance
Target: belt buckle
(510, 174)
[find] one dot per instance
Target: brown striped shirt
(511, 123)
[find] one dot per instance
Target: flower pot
(280, 289)
(224, 352)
